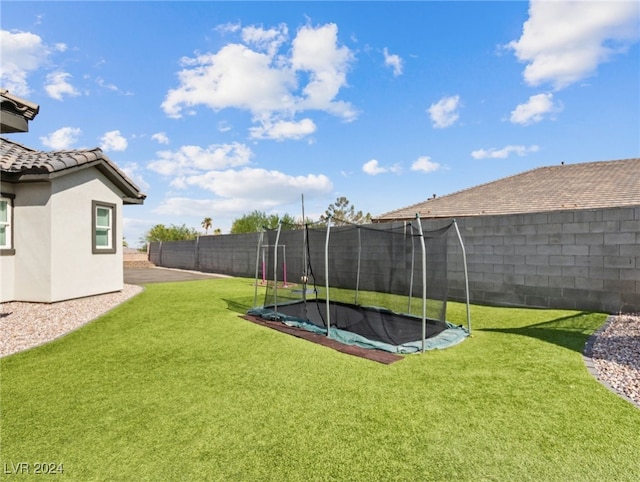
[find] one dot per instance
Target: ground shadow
(570, 332)
(240, 305)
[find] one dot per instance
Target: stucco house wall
(54, 255)
(32, 238)
(53, 240)
(72, 260)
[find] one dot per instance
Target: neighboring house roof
(590, 185)
(19, 163)
(16, 113)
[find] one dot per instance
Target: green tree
(258, 220)
(206, 225)
(342, 212)
(160, 232)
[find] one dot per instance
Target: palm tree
(206, 224)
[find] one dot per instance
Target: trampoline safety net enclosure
(379, 286)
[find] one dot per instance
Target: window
(104, 227)
(6, 224)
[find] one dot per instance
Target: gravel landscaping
(615, 350)
(26, 325)
(616, 355)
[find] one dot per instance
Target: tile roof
(19, 163)
(28, 109)
(16, 113)
(588, 185)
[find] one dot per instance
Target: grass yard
(173, 385)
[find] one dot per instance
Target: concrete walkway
(141, 276)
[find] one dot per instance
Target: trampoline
(375, 286)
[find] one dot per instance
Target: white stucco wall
(75, 270)
(7, 270)
(32, 242)
(53, 240)
(7, 262)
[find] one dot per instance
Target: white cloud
(20, 54)
(191, 159)
(224, 126)
(281, 130)
(564, 42)
(133, 172)
(535, 109)
(275, 186)
(58, 86)
(316, 51)
(228, 28)
(235, 76)
(394, 61)
(503, 153)
(160, 138)
(373, 168)
(113, 141)
(255, 78)
(268, 40)
(112, 87)
(62, 139)
(425, 164)
(240, 191)
(444, 112)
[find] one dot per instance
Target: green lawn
(173, 385)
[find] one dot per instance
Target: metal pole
(424, 283)
(305, 278)
(260, 239)
(197, 254)
(284, 264)
(275, 271)
(466, 276)
(413, 255)
(359, 258)
(326, 273)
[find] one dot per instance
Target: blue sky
(216, 109)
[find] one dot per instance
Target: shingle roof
(588, 185)
(19, 163)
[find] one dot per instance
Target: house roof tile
(588, 185)
(19, 163)
(16, 112)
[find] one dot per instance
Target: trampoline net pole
(284, 264)
(326, 273)
(424, 282)
(466, 276)
(260, 240)
(359, 258)
(413, 254)
(275, 270)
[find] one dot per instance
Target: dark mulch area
(374, 355)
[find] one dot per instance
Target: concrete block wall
(582, 259)
(233, 255)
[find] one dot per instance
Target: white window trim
(8, 249)
(112, 248)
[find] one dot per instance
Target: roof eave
(131, 193)
(13, 123)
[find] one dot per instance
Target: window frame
(9, 249)
(113, 209)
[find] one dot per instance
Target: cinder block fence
(581, 259)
